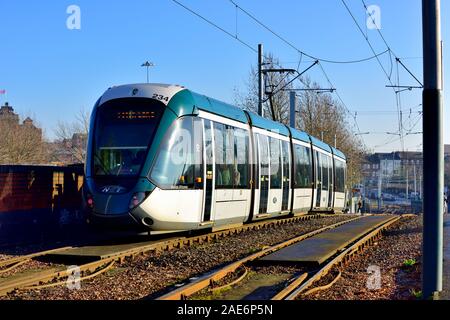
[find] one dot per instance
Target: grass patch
(408, 263)
(254, 250)
(416, 294)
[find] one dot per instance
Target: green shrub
(416, 294)
(409, 263)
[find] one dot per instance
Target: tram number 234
(160, 97)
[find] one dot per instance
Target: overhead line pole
(292, 112)
(260, 80)
(433, 151)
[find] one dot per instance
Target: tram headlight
(136, 199)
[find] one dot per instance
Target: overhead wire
(216, 26)
(301, 51)
(388, 76)
(317, 59)
(398, 61)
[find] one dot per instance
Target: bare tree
(21, 143)
(276, 106)
(71, 138)
(319, 114)
(325, 118)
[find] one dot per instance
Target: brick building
(8, 115)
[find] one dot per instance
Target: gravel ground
(401, 242)
(5, 257)
(262, 282)
(32, 265)
(147, 275)
(72, 238)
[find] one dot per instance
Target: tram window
(232, 156)
(224, 149)
(325, 171)
(175, 166)
(275, 162)
(123, 131)
(344, 174)
(241, 165)
(318, 169)
(264, 156)
(330, 171)
(197, 152)
(302, 167)
(340, 176)
(255, 161)
(286, 154)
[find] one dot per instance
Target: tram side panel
(191, 195)
(323, 180)
(272, 175)
(232, 172)
(340, 175)
(303, 177)
(177, 201)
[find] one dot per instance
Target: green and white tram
(163, 158)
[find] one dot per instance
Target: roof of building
(6, 108)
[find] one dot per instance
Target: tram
(164, 158)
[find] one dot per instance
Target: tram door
(286, 157)
(264, 173)
(318, 174)
(275, 197)
(231, 191)
(325, 180)
(209, 171)
(331, 187)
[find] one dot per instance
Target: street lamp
(147, 65)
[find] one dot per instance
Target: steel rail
(324, 287)
(108, 266)
(14, 265)
(19, 259)
(50, 275)
(294, 284)
(232, 283)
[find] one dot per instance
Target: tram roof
(320, 144)
(223, 109)
(186, 101)
(263, 123)
(183, 102)
(299, 135)
(338, 153)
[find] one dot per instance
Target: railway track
(296, 290)
(298, 280)
(57, 274)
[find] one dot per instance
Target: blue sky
(50, 72)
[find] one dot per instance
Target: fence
(37, 201)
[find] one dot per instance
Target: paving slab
(97, 252)
(319, 248)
